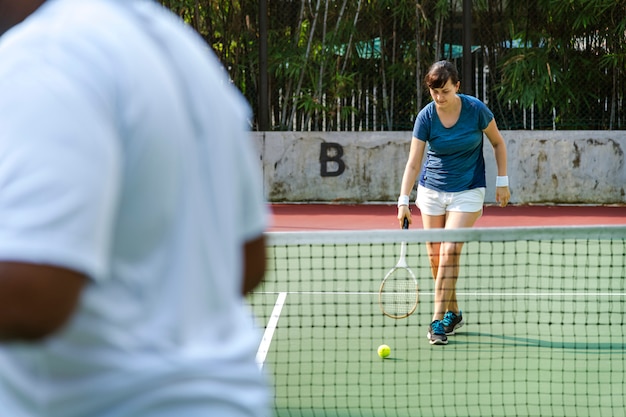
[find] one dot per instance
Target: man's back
(151, 190)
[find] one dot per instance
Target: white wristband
(403, 200)
(502, 181)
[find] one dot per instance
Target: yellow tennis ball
(384, 351)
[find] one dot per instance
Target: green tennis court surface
(544, 331)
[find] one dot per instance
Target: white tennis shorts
(436, 203)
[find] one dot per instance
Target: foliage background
(338, 65)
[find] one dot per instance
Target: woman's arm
(503, 194)
(411, 171)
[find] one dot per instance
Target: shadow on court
(480, 338)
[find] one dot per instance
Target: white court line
(264, 347)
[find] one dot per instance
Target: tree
(359, 64)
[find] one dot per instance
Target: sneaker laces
(449, 318)
(437, 327)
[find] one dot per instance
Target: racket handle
(405, 223)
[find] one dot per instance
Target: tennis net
(544, 334)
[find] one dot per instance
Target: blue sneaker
(452, 322)
(436, 333)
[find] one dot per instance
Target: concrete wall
(561, 167)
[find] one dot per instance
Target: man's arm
(36, 300)
(254, 264)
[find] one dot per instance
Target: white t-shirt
(125, 155)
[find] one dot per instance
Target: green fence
(354, 65)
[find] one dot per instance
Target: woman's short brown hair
(439, 73)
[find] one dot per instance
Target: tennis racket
(398, 294)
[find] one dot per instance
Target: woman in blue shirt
(451, 189)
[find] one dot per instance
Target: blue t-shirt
(454, 158)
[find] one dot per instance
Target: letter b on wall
(330, 160)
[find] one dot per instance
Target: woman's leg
(448, 264)
(433, 248)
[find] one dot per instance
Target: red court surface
(296, 217)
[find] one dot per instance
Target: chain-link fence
(357, 65)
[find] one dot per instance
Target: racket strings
(398, 295)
